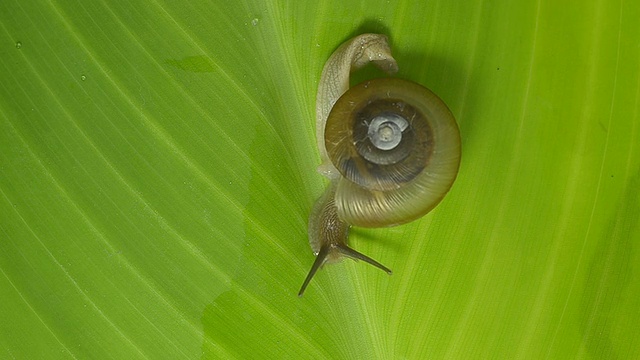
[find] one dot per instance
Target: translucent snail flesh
(390, 147)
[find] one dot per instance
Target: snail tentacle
(325, 253)
(317, 264)
(328, 236)
(356, 255)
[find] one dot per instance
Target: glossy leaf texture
(157, 169)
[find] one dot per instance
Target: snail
(390, 148)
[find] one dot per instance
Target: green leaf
(157, 169)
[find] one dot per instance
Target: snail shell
(397, 147)
(390, 147)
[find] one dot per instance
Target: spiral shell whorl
(388, 187)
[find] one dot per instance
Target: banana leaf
(158, 166)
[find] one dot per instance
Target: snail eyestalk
(324, 254)
(355, 255)
(317, 264)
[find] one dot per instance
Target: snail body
(390, 147)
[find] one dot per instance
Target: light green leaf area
(158, 167)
